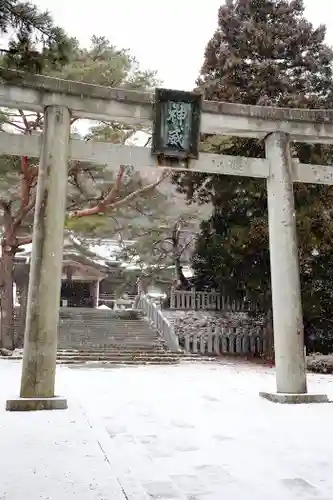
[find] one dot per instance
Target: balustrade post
(172, 298)
(193, 298)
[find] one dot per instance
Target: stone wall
(203, 322)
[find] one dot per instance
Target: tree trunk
(21, 278)
(7, 302)
(8, 250)
(182, 282)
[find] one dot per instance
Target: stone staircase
(101, 337)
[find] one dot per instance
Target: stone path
(188, 432)
(50, 455)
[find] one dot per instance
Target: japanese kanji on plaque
(176, 128)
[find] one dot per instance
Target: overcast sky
(167, 36)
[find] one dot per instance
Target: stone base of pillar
(293, 399)
(35, 404)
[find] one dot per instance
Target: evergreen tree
(91, 188)
(264, 52)
(34, 40)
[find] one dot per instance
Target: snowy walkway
(188, 432)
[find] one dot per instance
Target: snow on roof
(104, 252)
(108, 251)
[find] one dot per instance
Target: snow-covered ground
(190, 432)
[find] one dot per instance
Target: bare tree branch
(107, 204)
(24, 212)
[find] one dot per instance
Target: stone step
(88, 335)
(122, 357)
(106, 364)
(119, 361)
(107, 336)
(103, 340)
(102, 353)
(100, 350)
(125, 352)
(110, 360)
(99, 320)
(99, 346)
(129, 324)
(117, 352)
(111, 344)
(129, 359)
(110, 338)
(106, 331)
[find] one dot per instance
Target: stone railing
(229, 340)
(209, 301)
(159, 322)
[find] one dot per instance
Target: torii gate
(61, 100)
